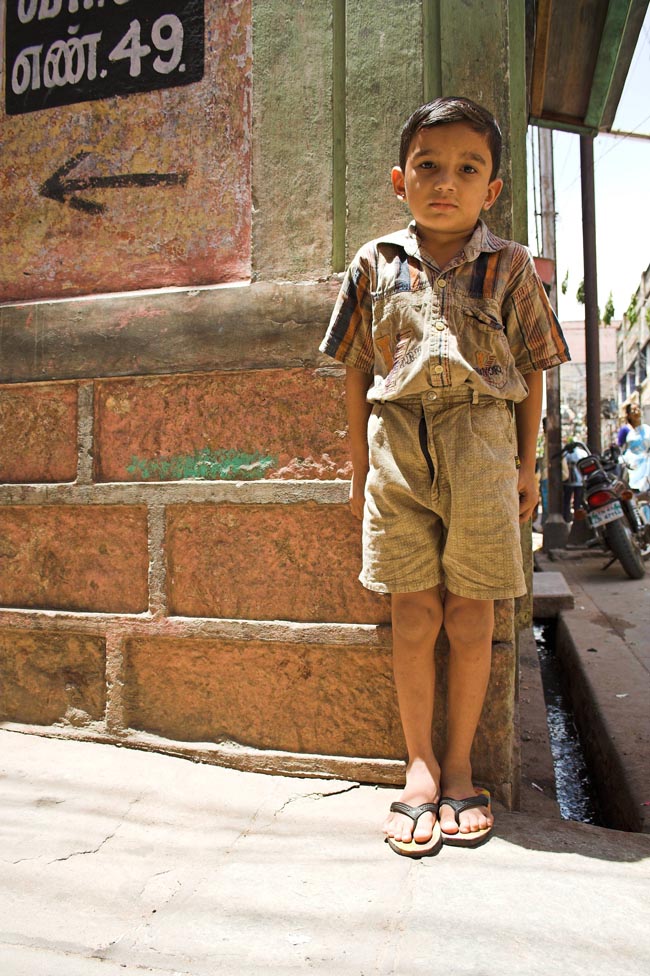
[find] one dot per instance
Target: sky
(622, 182)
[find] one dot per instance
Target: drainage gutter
(609, 691)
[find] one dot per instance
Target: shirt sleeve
(532, 328)
(349, 335)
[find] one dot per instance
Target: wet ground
(574, 788)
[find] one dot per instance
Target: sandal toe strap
(414, 812)
(469, 803)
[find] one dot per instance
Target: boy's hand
(357, 487)
(528, 493)
(358, 410)
(528, 414)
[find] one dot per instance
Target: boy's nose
(444, 180)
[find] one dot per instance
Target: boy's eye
(469, 169)
(427, 164)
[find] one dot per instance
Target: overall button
(432, 396)
(438, 369)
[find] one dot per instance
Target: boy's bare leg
(469, 625)
(417, 618)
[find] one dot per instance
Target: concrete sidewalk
(121, 862)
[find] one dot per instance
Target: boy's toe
(424, 828)
(399, 828)
(448, 820)
(483, 822)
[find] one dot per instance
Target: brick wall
(150, 529)
(177, 559)
(178, 571)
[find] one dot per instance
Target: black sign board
(59, 52)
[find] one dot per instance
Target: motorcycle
(618, 517)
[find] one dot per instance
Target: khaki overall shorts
(441, 498)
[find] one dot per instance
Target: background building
(633, 349)
(573, 390)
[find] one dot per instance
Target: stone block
(551, 594)
(503, 620)
(293, 87)
(305, 698)
(296, 698)
(523, 605)
(374, 117)
(487, 26)
(74, 557)
(39, 433)
(275, 423)
(47, 678)
(168, 332)
(268, 562)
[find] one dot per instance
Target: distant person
(442, 327)
(543, 474)
(572, 481)
(623, 431)
(636, 449)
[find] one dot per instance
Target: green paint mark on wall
(219, 465)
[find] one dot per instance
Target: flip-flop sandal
(416, 848)
(470, 839)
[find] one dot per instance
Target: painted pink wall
(196, 233)
(574, 333)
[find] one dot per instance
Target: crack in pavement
(97, 849)
(315, 796)
(94, 850)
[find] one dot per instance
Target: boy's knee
(416, 616)
(468, 620)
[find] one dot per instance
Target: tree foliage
(609, 310)
(565, 283)
(632, 311)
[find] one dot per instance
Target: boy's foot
(466, 824)
(415, 848)
(422, 786)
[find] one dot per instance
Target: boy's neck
(442, 248)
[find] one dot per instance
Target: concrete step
(551, 594)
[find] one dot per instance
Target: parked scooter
(617, 515)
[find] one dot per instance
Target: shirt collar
(482, 240)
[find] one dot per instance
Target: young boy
(442, 327)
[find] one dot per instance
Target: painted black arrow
(59, 188)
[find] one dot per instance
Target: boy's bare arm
(528, 414)
(358, 410)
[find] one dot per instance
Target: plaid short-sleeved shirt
(485, 320)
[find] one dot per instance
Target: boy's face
(447, 182)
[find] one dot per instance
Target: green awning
(579, 54)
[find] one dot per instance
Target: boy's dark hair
(442, 111)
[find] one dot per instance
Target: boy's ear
(494, 189)
(397, 177)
